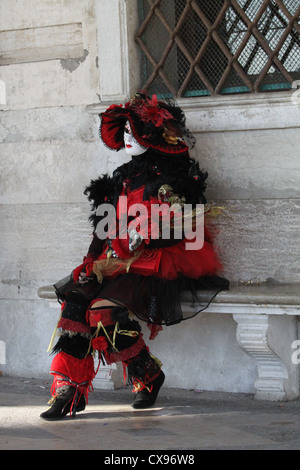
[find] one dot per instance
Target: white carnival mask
(132, 147)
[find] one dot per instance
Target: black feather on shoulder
(101, 191)
(182, 173)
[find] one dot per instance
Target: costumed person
(133, 270)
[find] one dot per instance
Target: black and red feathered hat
(155, 124)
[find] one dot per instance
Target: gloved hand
(83, 273)
(135, 239)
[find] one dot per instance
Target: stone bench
(261, 312)
(254, 308)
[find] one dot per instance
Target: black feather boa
(151, 170)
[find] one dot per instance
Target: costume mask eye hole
(132, 147)
(127, 128)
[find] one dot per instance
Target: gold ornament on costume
(166, 194)
(212, 211)
(112, 266)
(170, 137)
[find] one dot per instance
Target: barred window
(211, 47)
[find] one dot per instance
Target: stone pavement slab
(181, 421)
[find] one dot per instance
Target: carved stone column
(118, 56)
(253, 339)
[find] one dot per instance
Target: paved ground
(181, 420)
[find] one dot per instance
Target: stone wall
(50, 150)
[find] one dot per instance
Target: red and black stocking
(108, 330)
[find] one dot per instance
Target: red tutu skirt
(150, 285)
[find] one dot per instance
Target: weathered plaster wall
(48, 152)
(49, 53)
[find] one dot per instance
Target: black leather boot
(146, 398)
(61, 404)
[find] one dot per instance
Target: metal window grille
(211, 47)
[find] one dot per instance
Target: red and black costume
(144, 282)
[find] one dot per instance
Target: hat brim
(112, 123)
